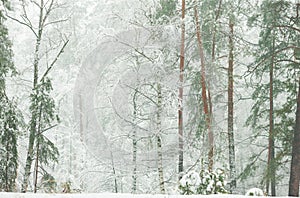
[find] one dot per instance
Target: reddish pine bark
(231, 147)
(206, 108)
(295, 164)
(180, 106)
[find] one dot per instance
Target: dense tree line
(203, 85)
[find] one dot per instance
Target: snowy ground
(110, 195)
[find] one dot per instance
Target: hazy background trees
(239, 75)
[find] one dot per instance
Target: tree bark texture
(271, 172)
(36, 168)
(231, 147)
(206, 107)
(134, 145)
(158, 139)
(180, 98)
(8, 184)
(295, 164)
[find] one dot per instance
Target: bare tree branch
(147, 97)
(288, 60)
(54, 61)
(35, 3)
(269, 55)
(135, 49)
(50, 127)
(288, 26)
(25, 16)
(54, 22)
(126, 120)
(48, 11)
(23, 23)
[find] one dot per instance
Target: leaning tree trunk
(180, 100)
(231, 148)
(206, 108)
(295, 164)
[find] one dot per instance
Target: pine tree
(295, 163)
(201, 73)
(275, 73)
(207, 107)
(231, 145)
(9, 131)
(9, 116)
(180, 106)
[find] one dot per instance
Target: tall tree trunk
(160, 165)
(180, 105)
(29, 158)
(271, 172)
(213, 59)
(213, 54)
(213, 50)
(81, 123)
(36, 168)
(158, 138)
(114, 173)
(206, 108)
(134, 145)
(231, 147)
(295, 164)
(37, 155)
(33, 121)
(7, 183)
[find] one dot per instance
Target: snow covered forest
(177, 97)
